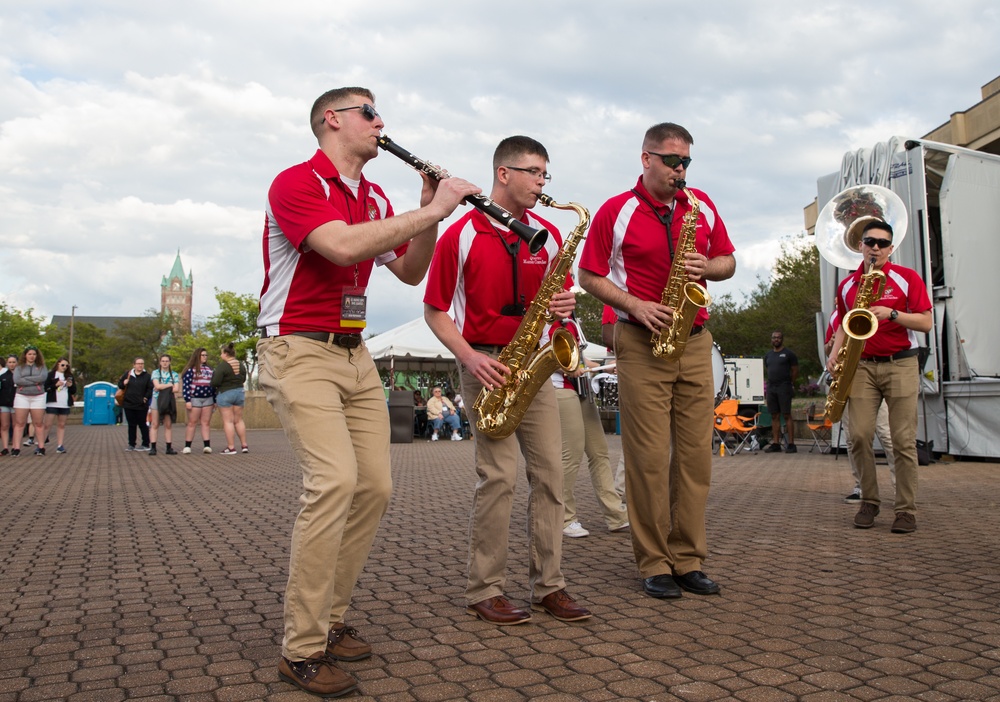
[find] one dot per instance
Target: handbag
(119, 397)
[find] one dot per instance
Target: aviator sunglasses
(367, 111)
(672, 160)
(871, 242)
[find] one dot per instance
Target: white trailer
(952, 197)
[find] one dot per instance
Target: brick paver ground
(125, 576)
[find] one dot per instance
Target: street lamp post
(72, 319)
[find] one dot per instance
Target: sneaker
(40, 451)
(620, 529)
(28, 442)
(4, 452)
(142, 448)
(60, 449)
(130, 448)
(905, 523)
(245, 449)
(229, 451)
(865, 518)
(317, 675)
(791, 448)
(773, 448)
(456, 436)
(434, 436)
(170, 451)
(15, 452)
(207, 449)
(152, 450)
(575, 530)
(187, 449)
(853, 499)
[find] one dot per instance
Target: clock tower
(175, 294)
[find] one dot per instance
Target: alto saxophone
(684, 297)
(501, 410)
(859, 325)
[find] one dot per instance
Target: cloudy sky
(129, 130)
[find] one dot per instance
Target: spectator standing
(7, 392)
(199, 399)
(59, 395)
(782, 371)
(138, 387)
(29, 378)
(228, 379)
(163, 408)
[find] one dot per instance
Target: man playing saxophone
(666, 405)
(888, 369)
(488, 279)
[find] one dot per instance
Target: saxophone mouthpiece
(680, 183)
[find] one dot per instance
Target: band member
(482, 273)
(888, 370)
(326, 227)
(666, 405)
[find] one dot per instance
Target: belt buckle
(347, 341)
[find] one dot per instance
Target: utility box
(746, 379)
(401, 417)
(99, 403)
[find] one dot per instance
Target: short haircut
(332, 97)
(513, 147)
(666, 130)
(878, 224)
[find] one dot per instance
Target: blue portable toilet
(99, 403)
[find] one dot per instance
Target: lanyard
(664, 220)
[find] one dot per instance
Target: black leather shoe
(698, 583)
(661, 586)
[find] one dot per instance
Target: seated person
(441, 410)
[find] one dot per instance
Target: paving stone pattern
(125, 576)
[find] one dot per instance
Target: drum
(719, 376)
(605, 387)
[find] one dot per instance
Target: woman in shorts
(59, 392)
(29, 377)
(228, 380)
(163, 408)
(199, 398)
(7, 392)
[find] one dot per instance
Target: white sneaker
(207, 449)
(575, 530)
(434, 436)
(456, 436)
(187, 449)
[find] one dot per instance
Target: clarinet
(535, 238)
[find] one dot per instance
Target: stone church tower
(176, 294)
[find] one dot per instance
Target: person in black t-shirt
(782, 371)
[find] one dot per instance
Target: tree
(90, 352)
(19, 329)
(588, 313)
(237, 322)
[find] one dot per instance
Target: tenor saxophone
(859, 325)
(681, 295)
(501, 410)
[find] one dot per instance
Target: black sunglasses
(367, 111)
(672, 160)
(871, 242)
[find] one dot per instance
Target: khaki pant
(898, 383)
(881, 430)
(333, 410)
(582, 432)
(666, 406)
(538, 439)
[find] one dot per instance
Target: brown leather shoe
(343, 643)
(499, 610)
(317, 675)
(563, 607)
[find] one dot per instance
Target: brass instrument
(681, 295)
(501, 410)
(534, 238)
(838, 238)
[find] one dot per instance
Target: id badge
(353, 307)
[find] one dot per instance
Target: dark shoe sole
(348, 659)
(477, 614)
(663, 595)
(863, 526)
(329, 695)
(694, 591)
(580, 618)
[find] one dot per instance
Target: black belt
(346, 341)
(487, 348)
(695, 330)
(908, 353)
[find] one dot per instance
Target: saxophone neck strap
(664, 219)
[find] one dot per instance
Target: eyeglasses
(367, 111)
(533, 172)
(63, 365)
(672, 160)
(871, 242)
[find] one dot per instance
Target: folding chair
(821, 427)
(728, 422)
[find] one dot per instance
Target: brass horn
(839, 225)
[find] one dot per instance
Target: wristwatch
(893, 315)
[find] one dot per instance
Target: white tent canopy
(413, 347)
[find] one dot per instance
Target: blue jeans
(451, 420)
